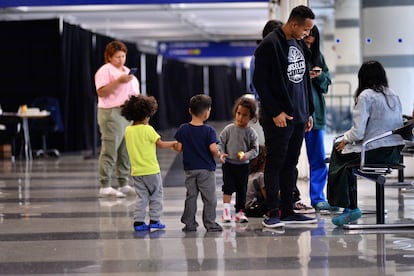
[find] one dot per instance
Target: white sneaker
(110, 192)
(127, 190)
(226, 218)
(241, 217)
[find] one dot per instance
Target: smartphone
(132, 71)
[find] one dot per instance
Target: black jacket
(270, 75)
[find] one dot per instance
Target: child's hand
(243, 158)
(223, 157)
(177, 146)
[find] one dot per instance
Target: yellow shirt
(142, 150)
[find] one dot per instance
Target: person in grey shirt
(377, 110)
(239, 144)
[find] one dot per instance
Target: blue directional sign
(203, 49)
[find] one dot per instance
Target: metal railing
(338, 107)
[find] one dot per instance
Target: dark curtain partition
(32, 66)
(224, 90)
(78, 94)
(133, 58)
(180, 82)
(56, 59)
(154, 89)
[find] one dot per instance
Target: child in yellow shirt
(141, 142)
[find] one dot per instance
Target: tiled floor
(52, 223)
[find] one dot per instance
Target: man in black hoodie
(281, 78)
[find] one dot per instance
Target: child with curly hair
(141, 143)
(239, 144)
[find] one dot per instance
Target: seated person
(377, 110)
(256, 192)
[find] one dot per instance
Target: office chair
(50, 124)
(11, 131)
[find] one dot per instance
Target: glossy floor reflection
(52, 223)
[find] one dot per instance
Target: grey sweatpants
(202, 181)
(149, 193)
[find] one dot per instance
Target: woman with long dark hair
(377, 110)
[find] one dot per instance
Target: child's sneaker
(272, 222)
(141, 227)
(347, 216)
(216, 228)
(226, 218)
(157, 225)
(241, 217)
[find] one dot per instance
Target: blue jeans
(283, 148)
(315, 150)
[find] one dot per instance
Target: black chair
(378, 173)
(11, 132)
(44, 126)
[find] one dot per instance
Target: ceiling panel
(146, 25)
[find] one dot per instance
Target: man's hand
(281, 119)
(309, 124)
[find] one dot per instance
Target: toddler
(198, 142)
(141, 143)
(239, 143)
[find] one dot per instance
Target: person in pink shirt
(114, 85)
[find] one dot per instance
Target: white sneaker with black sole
(241, 217)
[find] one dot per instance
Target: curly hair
(248, 103)
(139, 107)
(257, 164)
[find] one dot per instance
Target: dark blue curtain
(31, 66)
(56, 59)
(225, 88)
(78, 95)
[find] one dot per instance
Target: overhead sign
(16, 3)
(201, 49)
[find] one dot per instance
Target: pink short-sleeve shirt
(105, 75)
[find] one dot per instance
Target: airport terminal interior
(52, 221)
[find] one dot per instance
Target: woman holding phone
(114, 85)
